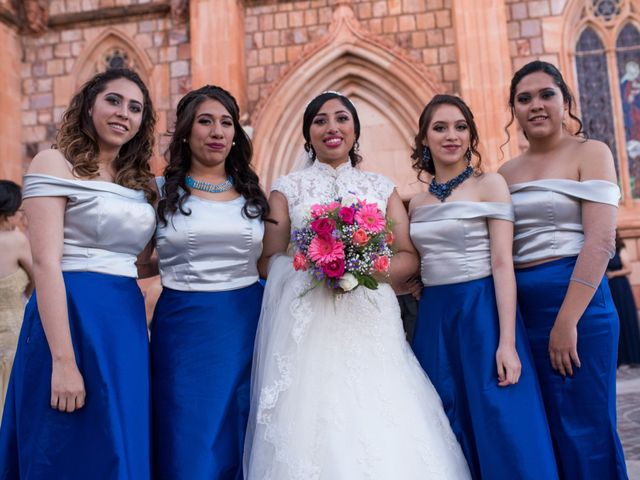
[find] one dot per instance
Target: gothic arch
(577, 17)
(91, 61)
(374, 74)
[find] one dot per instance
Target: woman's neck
(444, 173)
(542, 146)
(333, 163)
(215, 173)
(5, 225)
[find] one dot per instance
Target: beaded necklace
(209, 187)
(442, 190)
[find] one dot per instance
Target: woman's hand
(508, 364)
(563, 347)
(414, 287)
(67, 386)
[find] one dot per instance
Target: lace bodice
(321, 183)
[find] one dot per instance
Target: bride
(336, 390)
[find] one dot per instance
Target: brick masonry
(277, 32)
(54, 55)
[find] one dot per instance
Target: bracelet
(584, 282)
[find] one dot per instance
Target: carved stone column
(485, 72)
(217, 46)
(10, 96)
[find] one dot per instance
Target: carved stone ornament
(36, 14)
(180, 10)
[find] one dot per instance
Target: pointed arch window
(607, 65)
(593, 86)
(628, 63)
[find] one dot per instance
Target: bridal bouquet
(343, 243)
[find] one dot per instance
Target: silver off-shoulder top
(453, 239)
(549, 216)
(106, 225)
(215, 248)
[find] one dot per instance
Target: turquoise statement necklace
(209, 187)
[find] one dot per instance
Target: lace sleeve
(285, 186)
(383, 185)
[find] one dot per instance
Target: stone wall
(53, 61)
(533, 27)
(278, 32)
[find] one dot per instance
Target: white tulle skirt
(337, 392)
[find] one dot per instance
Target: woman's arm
(404, 264)
(147, 262)
(625, 268)
(501, 242)
(46, 234)
(25, 260)
(599, 223)
(276, 235)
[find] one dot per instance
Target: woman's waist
(440, 270)
(88, 259)
(545, 245)
(208, 278)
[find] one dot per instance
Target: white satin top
(106, 225)
(453, 239)
(549, 216)
(215, 248)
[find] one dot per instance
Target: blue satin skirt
(581, 408)
(201, 354)
(503, 431)
(109, 438)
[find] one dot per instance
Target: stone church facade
(389, 56)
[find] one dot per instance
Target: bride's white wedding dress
(337, 393)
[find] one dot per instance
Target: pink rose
(300, 262)
(347, 215)
(334, 268)
(389, 238)
(317, 210)
(333, 206)
(324, 227)
(360, 237)
(381, 264)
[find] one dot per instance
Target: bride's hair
(314, 106)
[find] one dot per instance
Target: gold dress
(11, 310)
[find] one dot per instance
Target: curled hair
(77, 138)
(10, 198)
(554, 73)
(237, 165)
(423, 125)
(312, 110)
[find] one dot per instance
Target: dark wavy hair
(312, 110)
(237, 164)
(77, 138)
(554, 73)
(423, 124)
(10, 198)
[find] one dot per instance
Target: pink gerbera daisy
(325, 250)
(370, 218)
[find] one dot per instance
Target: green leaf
(366, 281)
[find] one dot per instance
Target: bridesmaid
(78, 400)
(468, 336)
(618, 270)
(565, 197)
(209, 239)
(16, 275)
